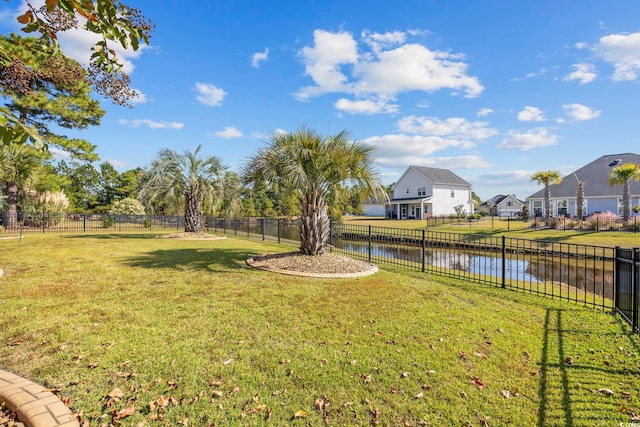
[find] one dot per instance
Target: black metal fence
(81, 223)
(595, 225)
(628, 284)
(596, 276)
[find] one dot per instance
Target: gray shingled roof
(440, 176)
(494, 200)
(595, 175)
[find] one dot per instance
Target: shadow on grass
(213, 259)
(113, 236)
(576, 375)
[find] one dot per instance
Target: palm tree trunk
(13, 196)
(626, 201)
(547, 204)
(315, 225)
(192, 214)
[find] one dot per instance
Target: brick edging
(33, 404)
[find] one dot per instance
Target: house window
(453, 193)
(509, 203)
(407, 191)
(537, 207)
(422, 191)
(562, 207)
(620, 207)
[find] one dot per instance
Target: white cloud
(535, 138)
(151, 124)
(414, 67)
(584, 73)
(259, 57)
(59, 154)
(484, 112)
(580, 112)
(456, 127)
(77, 43)
(623, 52)
(367, 106)
(399, 145)
(139, 98)
(229, 132)
(210, 94)
(531, 114)
(378, 41)
(383, 66)
(323, 60)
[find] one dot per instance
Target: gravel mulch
(319, 265)
(191, 236)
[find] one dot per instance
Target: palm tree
(547, 178)
(17, 164)
(186, 178)
(622, 175)
(313, 167)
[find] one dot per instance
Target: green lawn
(184, 333)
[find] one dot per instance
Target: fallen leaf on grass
(234, 391)
(480, 354)
(606, 391)
(300, 414)
(419, 395)
(116, 393)
(124, 413)
(506, 394)
(216, 383)
(477, 382)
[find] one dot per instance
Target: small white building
(422, 192)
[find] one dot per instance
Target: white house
(422, 192)
(502, 205)
(599, 196)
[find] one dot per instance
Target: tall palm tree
(622, 175)
(547, 178)
(188, 178)
(17, 164)
(313, 167)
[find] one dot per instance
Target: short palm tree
(547, 178)
(17, 164)
(313, 166)
(622, 175)
(188, 178)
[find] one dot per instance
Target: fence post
(616, 276)
(424, 252)
(278, 230)
(84, 222)
(263, 228)
(635, 304)
(248, 227)
(369, 248)
(504, 261)
(43, 227)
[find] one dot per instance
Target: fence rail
(596, 276)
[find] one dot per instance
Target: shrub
(128, 206)
(47, 209)
(108, 221)
(603, 220)
(146, 223)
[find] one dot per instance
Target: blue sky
(493, 90)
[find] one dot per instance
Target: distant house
(422, 192)
(502, 205)
(374, 206)
(599, 196)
